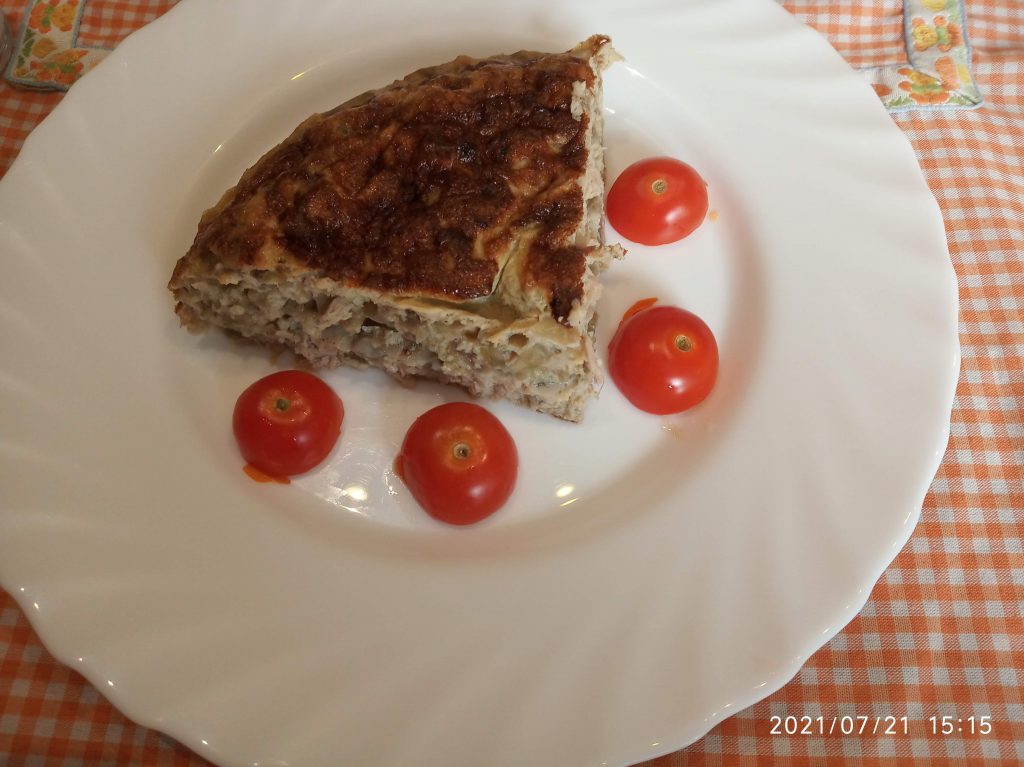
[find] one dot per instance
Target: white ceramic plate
(649, 576)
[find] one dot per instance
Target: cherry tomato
(657, 201)
(287, 422)
(663, 359)
(459, 463)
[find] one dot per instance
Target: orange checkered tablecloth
(943, 632)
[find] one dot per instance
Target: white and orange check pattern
(943, 632)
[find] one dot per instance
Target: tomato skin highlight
(663, 359)
(287, 423)
(459, 462)
(657, 201)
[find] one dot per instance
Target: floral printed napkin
(47, 55)
(938, 71)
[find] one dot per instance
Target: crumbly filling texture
(490, 355)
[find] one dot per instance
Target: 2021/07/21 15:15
(877, 725)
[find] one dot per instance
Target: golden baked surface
(424, 187)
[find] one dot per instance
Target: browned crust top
(423, 186)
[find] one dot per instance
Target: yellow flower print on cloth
(942, 35)
(47, 55)
(51, 14)
(925, 89)
(937, 74)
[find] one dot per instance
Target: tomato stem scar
(461, 451)
(660, 186)
(683, 343)
(281, 404)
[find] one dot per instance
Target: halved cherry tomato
(459, 463)
(663, 359)
(657, 201)
(287, 422)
